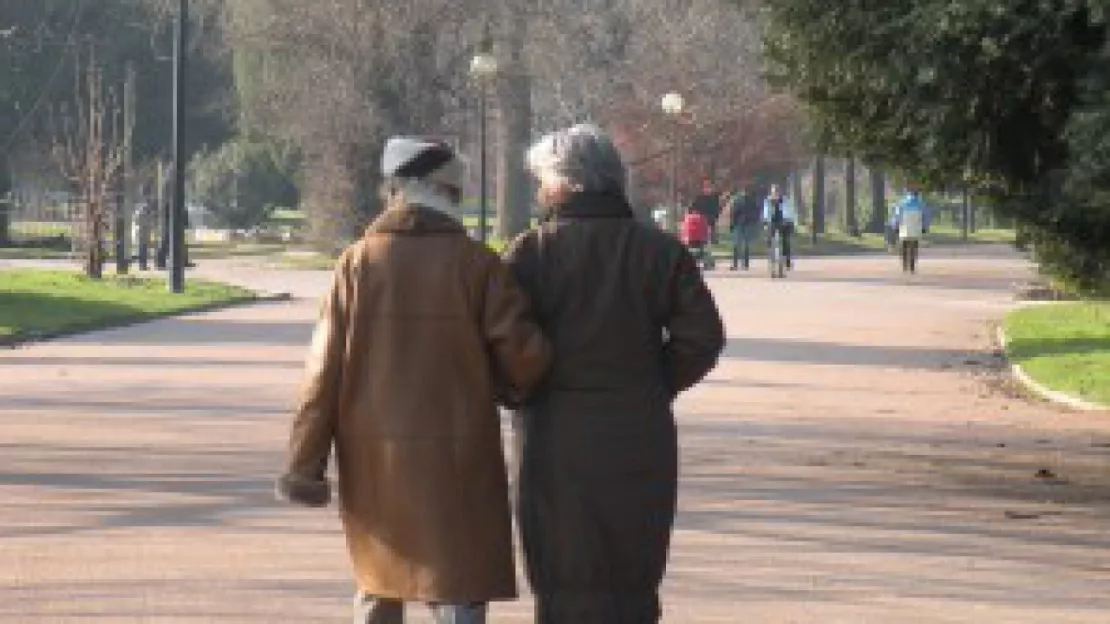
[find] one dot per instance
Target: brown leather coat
(418, 325)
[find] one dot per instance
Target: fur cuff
(301, 490)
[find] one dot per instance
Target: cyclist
(911, 215)
(779, 214)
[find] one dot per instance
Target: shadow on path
(812, 352)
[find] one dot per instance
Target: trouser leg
(459, 614)
(906, 255)
(787, 230)
(373, 610)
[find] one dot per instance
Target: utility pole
(177, 221)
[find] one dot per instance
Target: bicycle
(776, 259)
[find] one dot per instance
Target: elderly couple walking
(588, 330)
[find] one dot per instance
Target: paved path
(857, 457)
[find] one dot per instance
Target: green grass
(32, 253)
(1066, 347)
(41, 304)
(42, 229)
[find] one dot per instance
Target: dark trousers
(742, 235)
(911, 247)
(787, 232)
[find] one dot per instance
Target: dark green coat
(632, 324)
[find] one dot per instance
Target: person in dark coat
(708, 203)
(633, 325)
(744, 211)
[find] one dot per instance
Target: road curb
(1039, 389)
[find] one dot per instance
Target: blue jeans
(373, 610)
(742, 236)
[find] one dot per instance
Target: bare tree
(90, 148)
(335, 78)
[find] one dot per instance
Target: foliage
(43, 41)
(37, 304)
(1081, 255)
(977, 93)
(1064, 346)
(243, 181)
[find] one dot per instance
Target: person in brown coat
(633, 325)
(421, 328)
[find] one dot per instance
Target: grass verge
(44, 304)
(1065, 347)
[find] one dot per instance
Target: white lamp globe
(483, 65)
(673, 103)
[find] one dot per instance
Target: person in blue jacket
(779, 213)
(911, 218)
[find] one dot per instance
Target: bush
(243, 182)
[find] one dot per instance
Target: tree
(817, 224)
(336, 78)
(877, 223)
(242, 182)
(42, 41)
(851, 208)
(91, 142)
(973, 93)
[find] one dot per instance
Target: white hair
(581, 158)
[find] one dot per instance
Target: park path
(857, 457)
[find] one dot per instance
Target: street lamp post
(673, 105)
(177, 214)
(483, 68)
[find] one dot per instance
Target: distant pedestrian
(743, 225)
(911, 215)
(779, 214)
(708, 203)
(633, 325)
(695, 235)
(420, 328)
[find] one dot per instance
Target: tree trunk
(965, 217)
(7, 204)
(94, 243)
(877, 224)
(799, 197)
(514, 121)
(818, 221)
(851, 216)
(513, 90)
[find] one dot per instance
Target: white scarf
(421, 193)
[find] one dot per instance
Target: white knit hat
(421, 159)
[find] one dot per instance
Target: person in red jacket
(695, 235)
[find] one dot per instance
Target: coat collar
(415, 220)
(593, 206)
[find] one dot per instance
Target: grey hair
(582, 157)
